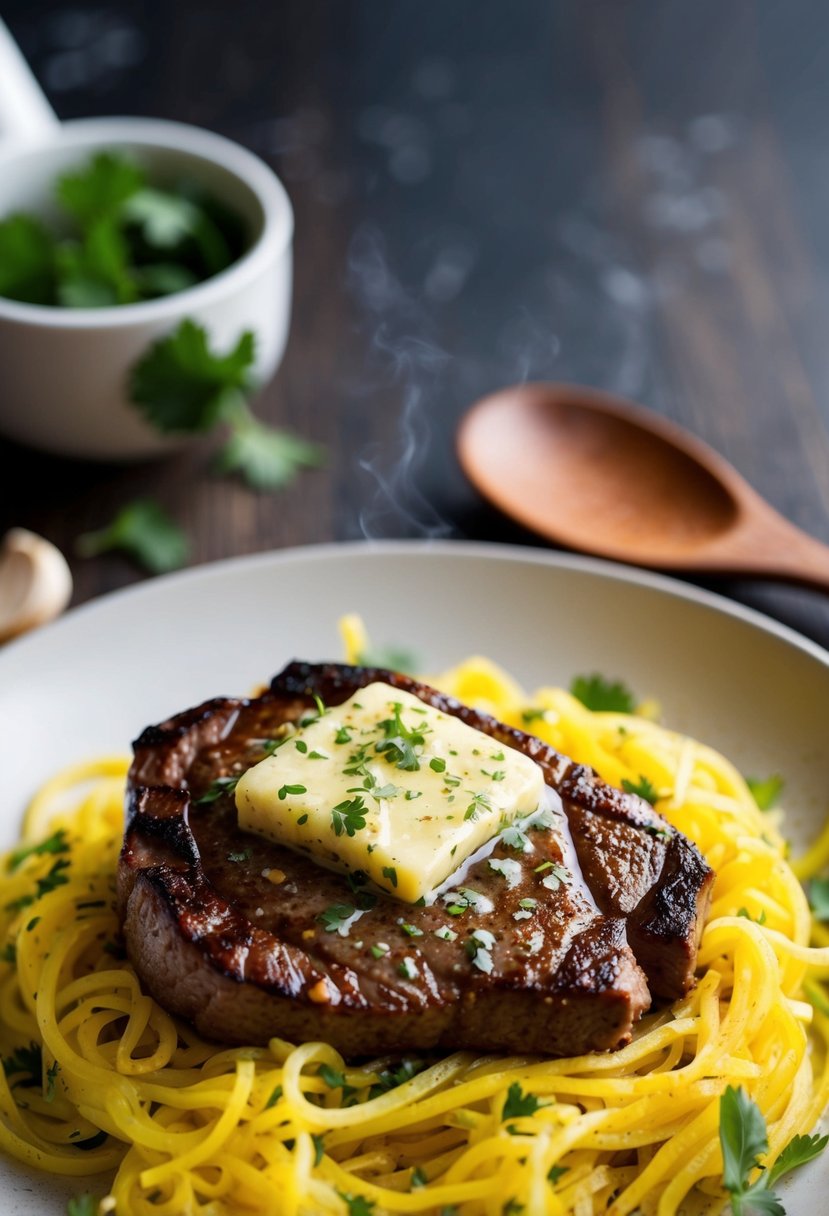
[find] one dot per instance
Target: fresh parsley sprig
(601, 695)
(744, 1140)
(182, 385)
(145, 532)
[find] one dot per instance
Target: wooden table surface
(632, 196)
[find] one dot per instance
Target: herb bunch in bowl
(121, 239)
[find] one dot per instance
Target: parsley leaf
(392, 1078)
(51, 1079)
(643, 788)
(319, 1146)
(95, 272)
(599, 694)
(144, 532)
(266, 458)
(819, 898)
(518, 1104)
(743, 1140)
(555, 1172)
(399, 741)
(99, 189)
(334, 917)
(765, 791)
(181, 385)
(222, 785)
(357, 1205)
(349, 816)
(27, 260)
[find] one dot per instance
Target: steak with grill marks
(227, 929)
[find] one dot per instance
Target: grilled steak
(229, 930)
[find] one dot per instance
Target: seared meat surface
(235, 932)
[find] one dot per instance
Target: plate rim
(620, 572)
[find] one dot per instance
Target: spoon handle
(25, 113)
(766, 544)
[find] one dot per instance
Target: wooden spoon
(595, 472)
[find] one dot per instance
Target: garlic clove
(35, 582)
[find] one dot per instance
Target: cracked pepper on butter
(389, 786)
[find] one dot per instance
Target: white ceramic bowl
(64, 372)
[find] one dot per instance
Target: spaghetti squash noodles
(98, 1077)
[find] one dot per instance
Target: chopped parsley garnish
(275, 1095)
(399, 741)
(558, 876)
(517, 1104)
(437, 765)
(48, 882)
(342, 735)
(643, 788)
(654, 829)
(357, 1205)
(509, 870)
(335, 916)
(51, 1079)
(418, 1177)
(362, 898)
(222, 785)
(743, 1140)
(765, 791)
(533, 714)
(445, 933)
(555, 1172)
(479, 802)
(56, 843)
(336, 1080)
(9, 953)
(392, 1078)
(26, 1064)
(478, 949)
(514, 838)
(390, 873)
(412, 794)
(285, 790)
(349, 816)
(758, 920)
(601, 695)
(242, 855)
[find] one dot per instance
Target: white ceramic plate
(731, 677)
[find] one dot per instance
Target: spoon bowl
(598, 473)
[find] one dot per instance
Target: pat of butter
(388, 785)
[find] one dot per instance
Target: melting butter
(390, 786)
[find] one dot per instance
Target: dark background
(632, 195)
